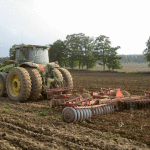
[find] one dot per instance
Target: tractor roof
(28, 46)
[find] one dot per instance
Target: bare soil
(36, 126)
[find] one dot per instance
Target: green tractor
(30, 74)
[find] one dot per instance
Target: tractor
(30, 74)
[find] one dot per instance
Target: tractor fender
(29, 64)
(4, 75)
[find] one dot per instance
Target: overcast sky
(125, 22)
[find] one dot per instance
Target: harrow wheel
(69, 114)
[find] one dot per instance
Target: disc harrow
(107, 100)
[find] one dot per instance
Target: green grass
(104, 134)
(120, 124)
(112, 140)
(6, 110)
(117, 135)
(45, 113)
(7, 107)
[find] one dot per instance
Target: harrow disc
(102, 110)
(93, 111)
(81, 115)
(96, 110)
(109, 109)
(69, 114)
(84, 114)
(90, 113)
(78, 115)
(99, 111)
(87, 113)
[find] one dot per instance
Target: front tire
(18, 84)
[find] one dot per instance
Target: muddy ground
(36, 126)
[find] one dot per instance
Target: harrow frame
(98, 103)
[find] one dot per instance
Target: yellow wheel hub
(14, 85)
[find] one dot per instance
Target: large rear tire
(2, 86)
(67, 77)
(36, 81)
(58, 75)
(18, 84)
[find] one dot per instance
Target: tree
(146, 52)
(73, 43)
(112, 59)
(59, 52)
(89, 58)
(102, 47)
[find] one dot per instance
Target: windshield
(36, 55)
(39, 56)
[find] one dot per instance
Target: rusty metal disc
(78, 115)
(69, 114)
(81, 115)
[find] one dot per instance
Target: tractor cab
(31, 53)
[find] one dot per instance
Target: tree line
(84, 51)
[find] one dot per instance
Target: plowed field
(36, 126)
